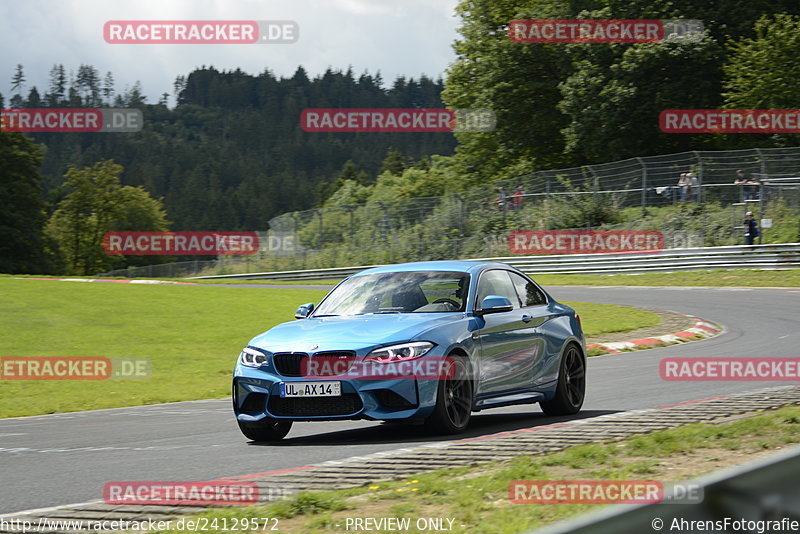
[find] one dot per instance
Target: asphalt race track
(67, 458)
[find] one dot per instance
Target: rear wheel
(571, 387)
(265, 430)
(453, 400)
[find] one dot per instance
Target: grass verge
(716, 278)
(315, 282)
(599, 319)
(476, 498)
(191, 336)
(712, 278)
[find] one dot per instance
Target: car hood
(351, 332)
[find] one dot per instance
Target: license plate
(311, 389)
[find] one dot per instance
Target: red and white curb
(701, 328)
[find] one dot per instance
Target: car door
(536, 313)
(508, 341)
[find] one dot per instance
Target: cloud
(397, 37)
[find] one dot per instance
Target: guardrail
(764, 490)
(782, 256)
(333, 273)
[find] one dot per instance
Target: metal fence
(476, 222)
(782, 256)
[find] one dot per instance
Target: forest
(223, 150)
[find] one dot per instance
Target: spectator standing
(501, 198)
(748, 192)
(518, 198)
(683, 185)
(750, 228)
(693, 186)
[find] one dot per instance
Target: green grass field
(477, 497)
(599, 319)
(191, 335)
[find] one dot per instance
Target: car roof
(465, 266)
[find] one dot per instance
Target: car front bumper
(256, 396)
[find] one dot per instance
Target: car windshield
(399, 292)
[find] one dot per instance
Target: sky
(395, 37)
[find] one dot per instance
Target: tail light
(578, 318)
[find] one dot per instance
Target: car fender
(553, 372)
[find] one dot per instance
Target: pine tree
(57, 88)
(21, 208)
(108, 88)
(18, 80)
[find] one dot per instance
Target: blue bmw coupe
(431, 341)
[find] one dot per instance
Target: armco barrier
(761, 491)
(782, 256)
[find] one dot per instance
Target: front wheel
(453, 400)
(265, 430)
(571, 387)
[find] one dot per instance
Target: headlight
(252, 358)
(397, 353)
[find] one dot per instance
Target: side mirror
(304, 311)
(494, 304)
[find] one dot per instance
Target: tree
(134, 97)
(34, 100)
(96, 204)
(138, 211)
(351, 172)
(178, 87)
(568, 104)
(18, 80)
(614, 96)
(518, 82)
(394, 163)
(88, 85)
(762, 71)
(56, 92)
(108, 88)
(231, 155)
(21, 208)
